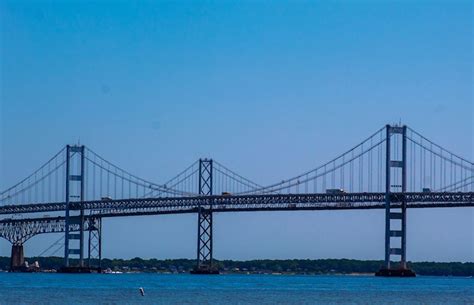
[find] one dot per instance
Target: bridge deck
(13, 228)
(317, 201)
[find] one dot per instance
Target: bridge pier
(204, 237)
(204, 244)
(94, 259)
(17, 258)
(395, 218)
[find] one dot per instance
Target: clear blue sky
(267, 88)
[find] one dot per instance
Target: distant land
(270, 266)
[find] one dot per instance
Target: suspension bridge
(395, 168)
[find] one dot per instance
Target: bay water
(44, 288)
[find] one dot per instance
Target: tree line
(300, 266)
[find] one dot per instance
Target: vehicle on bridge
(335, 191)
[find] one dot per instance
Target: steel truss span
(18, 231)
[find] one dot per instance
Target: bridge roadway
(226, 203)
(20, 230)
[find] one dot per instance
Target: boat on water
(110, 271)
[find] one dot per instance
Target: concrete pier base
(78, 269)
(17, 259)
(395, 273)
(198, 271)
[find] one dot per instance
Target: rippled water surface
(230, 289)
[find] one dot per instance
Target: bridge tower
(74, 241)
(204, 237)
(395, 216)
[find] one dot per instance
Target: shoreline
(349, 267)
(236, 273)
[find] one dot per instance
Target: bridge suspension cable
(362, 169)
(185, 182)
(39, 185)
(227, 181)
(351, 171)
(58, 245)
(434, 168)
(137, 187)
